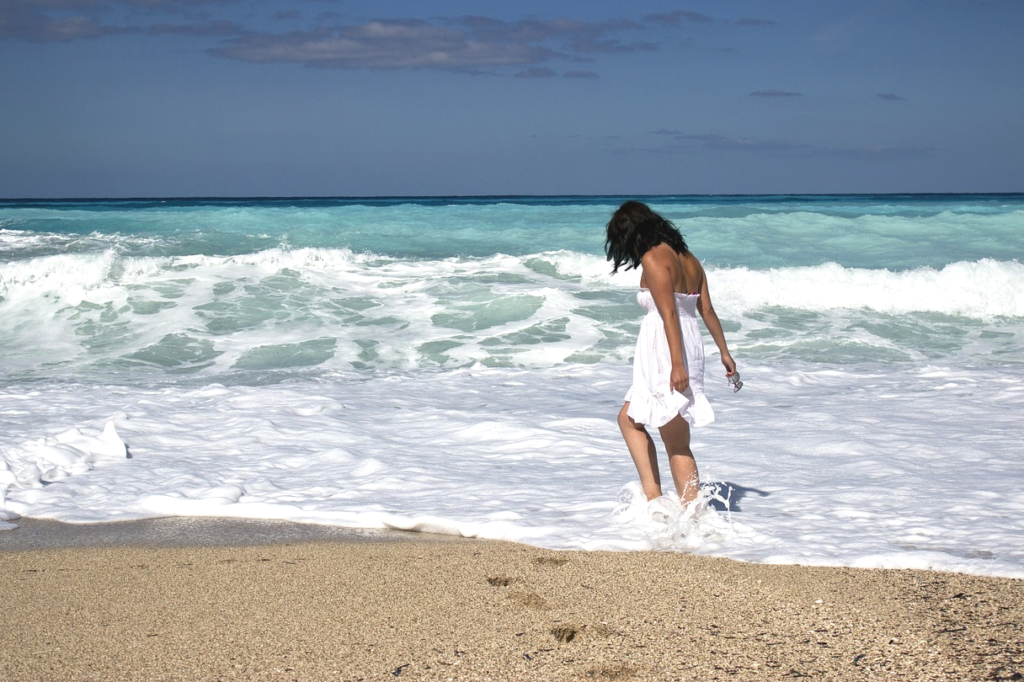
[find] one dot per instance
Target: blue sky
(122, 98)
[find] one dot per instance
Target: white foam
(54, 458)
(982, 289)
(208, 314)
(874, 467)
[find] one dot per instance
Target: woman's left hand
(729, 363)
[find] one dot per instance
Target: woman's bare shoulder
(661, 250)
(660, 261)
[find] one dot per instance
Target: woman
(668, 367)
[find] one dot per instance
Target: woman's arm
(711, 321)
(659, 264)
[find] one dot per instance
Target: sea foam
(872, 467)
(335, 309)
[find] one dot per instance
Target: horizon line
(384, 197)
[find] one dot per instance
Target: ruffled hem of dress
(660, 410)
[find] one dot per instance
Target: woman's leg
(676, 436)
(641, 449)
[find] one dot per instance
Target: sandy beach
(345, 610)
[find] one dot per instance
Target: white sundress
(651, 398)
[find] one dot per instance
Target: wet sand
(464, 609)
(179, 531)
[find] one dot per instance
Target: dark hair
(634, 230)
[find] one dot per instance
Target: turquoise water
(270, 289)
(890, 231)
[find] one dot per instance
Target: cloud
(612, 46)
(535, 30)
(213, 28)
(889, 97)
(467, 44)
(684, 142)
(67, 20)
(537, 72)
(331, 40)
(463, 43)
(723, 142)
(81, 5)
(775, 93)
(575, 36)
(24, 23)
(382, 45)
(880, 151)
(746, 144)
(679, 17)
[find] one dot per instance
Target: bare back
(685, 270)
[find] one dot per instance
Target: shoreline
(191, 531)
(474, 609)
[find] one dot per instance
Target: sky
(193, 98)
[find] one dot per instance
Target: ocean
(455, 365)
